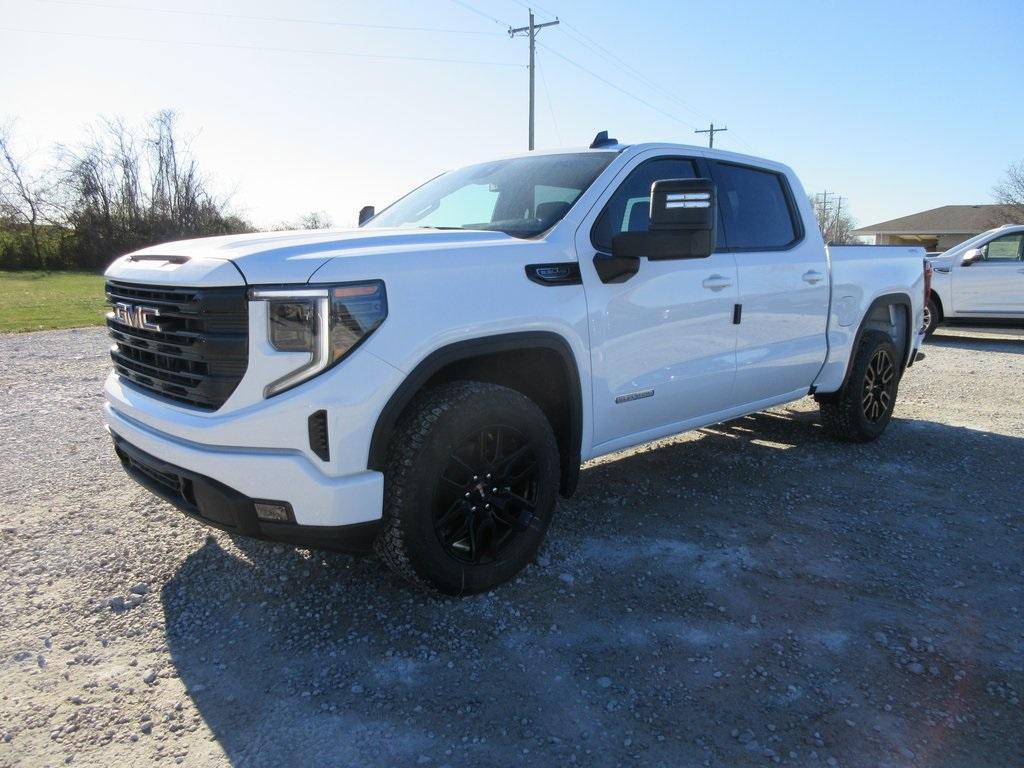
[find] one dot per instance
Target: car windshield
(521, 196)
(956, 249)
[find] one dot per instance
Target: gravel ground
(744, 595)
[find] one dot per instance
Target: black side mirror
(365, 214)
(683, 218)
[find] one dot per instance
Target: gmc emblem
(137, 316)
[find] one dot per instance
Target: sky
(314, 105)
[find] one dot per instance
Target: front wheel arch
(483, 359)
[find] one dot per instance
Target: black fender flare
(883, 300)
(462, 350)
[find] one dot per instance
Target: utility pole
(825, 205)
(711, 131)
(532, 31)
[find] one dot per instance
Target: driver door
(993, 285)
(663, 342)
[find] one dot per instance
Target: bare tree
(1009, 192)
(22, 195)
(123, 192)
(311, 220)
(835, 223)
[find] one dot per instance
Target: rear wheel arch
(934, 296)
(891, 314)
(539, 364)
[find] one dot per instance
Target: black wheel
(470, 487)
(932, 317)
(862, 409)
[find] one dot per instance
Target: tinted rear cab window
(755, 208)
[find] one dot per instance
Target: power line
(268, 49)
(478, 12)
(551, 107)
(276, 19)
(581, 38)
(621, 90)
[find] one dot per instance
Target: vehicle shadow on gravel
(976, 342)
(748, 594)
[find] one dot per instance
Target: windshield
(969, 243)
(521, 196)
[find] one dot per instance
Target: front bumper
(317, 500)
(221, 506)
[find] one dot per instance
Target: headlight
(327, 322)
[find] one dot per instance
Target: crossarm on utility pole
(711, 131)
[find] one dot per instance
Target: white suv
(427, 384)
(981, 279)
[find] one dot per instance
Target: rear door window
(756, 208)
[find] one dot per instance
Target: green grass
(36, 301)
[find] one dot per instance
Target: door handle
(1021, 271)
(812, 277)
(717, 283)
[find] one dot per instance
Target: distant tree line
(120, 190)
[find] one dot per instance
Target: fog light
(272, 512)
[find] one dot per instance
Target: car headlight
(327, 322)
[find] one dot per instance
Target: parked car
(428, 383)
(981, 279)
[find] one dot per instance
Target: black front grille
(197, 352)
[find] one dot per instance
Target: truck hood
(282, 257)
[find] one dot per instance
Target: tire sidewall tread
(842, 415)
(423, 436)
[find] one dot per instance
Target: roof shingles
(945, 220)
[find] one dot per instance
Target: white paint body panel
(660, 330)
(984, 290)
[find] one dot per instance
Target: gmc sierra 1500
(428, 383)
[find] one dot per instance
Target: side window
(755, 208)
(1005, 248)
(628, 210)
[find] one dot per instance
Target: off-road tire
(425, 436)
(844, 414)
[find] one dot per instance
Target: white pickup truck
(980, 279)
(427, 384)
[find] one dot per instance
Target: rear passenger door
(783, 282)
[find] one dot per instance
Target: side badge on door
(638, 395)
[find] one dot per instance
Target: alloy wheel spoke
(456, 509)
(462, 464)
(522, 502)
(452, 483)
(523, 474)
(495, 494)
(506, 463)
(497, 447)
(458, 533)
